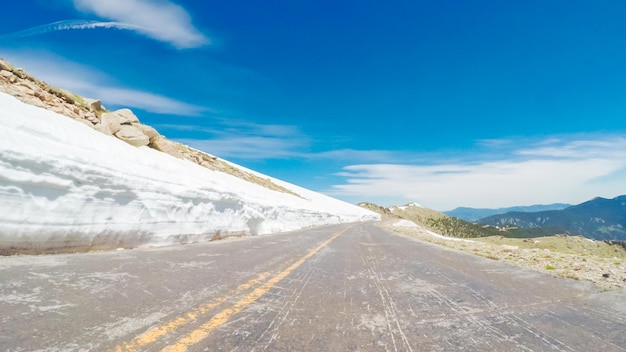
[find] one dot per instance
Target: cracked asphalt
(353, 287)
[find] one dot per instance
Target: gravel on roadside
(571, 257)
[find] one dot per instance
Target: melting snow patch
(405, 223)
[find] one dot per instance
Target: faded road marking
(155, 333)
(222, 317)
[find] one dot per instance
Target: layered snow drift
(65, 186)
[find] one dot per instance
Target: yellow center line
(155, 333)
(222, 317)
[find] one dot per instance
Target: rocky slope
(432, 220)
(121, 124)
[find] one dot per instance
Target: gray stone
(96, 105)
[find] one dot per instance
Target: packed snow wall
(65, 186)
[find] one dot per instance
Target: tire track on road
(391, 313)
(284, 311)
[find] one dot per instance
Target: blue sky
(444, 103)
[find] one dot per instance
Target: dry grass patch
(571, 257)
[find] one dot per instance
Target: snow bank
(405, 223)
(411, 224)
(64, 185)
(405, 207)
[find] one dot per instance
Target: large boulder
(149, 131)
(132, 135)
(164, 145)
(109, 124)
(122, 116)
(95, 105)
(127, 116)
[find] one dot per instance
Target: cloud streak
(67, 25)
(245, 140)
(145, 100)
(561, 171)
(157, 19)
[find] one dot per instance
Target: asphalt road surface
(339, 288)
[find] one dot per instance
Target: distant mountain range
(599, 218)
(473, 214)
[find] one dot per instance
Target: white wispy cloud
(555, 170)
(246, 140)
(143, 100)
(68, 25)
(88, 82)
(158, 19)
(356, 155)
(248, 148)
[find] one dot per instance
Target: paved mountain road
(339, 288)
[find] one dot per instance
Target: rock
(68, 98)
(132, 135)
(4, 66)
(96, 105)
(34, 101)
(109, 124)
(150, 132)
(606, 275)
(25, 89)
(164, 145)
(86, 123)
(25, 84)
(6, 74)
(59, 110)
(122, 116)
(92, 119)
(127, 116)
(19, 73)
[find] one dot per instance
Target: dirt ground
(572, 257)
